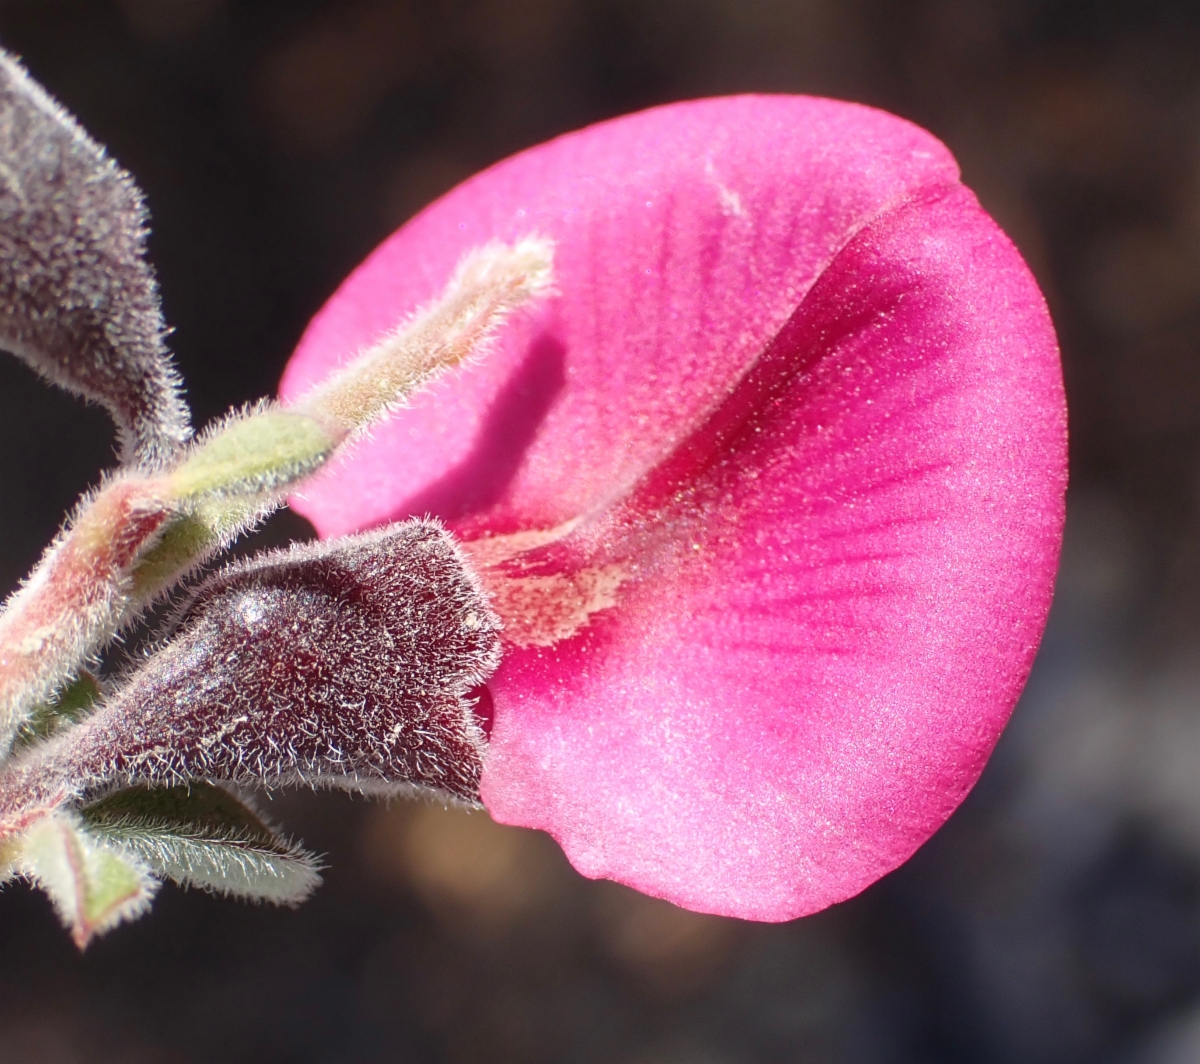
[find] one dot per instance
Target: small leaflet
(94, 886)
(203, 836)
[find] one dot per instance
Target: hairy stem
(77, 598)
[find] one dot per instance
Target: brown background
(1056, 919)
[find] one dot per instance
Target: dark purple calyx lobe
(342, 664)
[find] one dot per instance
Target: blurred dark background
(1057, 917)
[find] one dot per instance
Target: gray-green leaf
(203, 836)
(93, 885)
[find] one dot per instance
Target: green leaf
(74, 702)
(190, 539)
(93, 885)
(203, 836)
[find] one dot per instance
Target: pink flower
(769, 495)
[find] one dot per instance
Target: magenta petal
(806, 397)
(686, 236)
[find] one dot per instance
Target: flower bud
(78, 300)
(344, 664)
